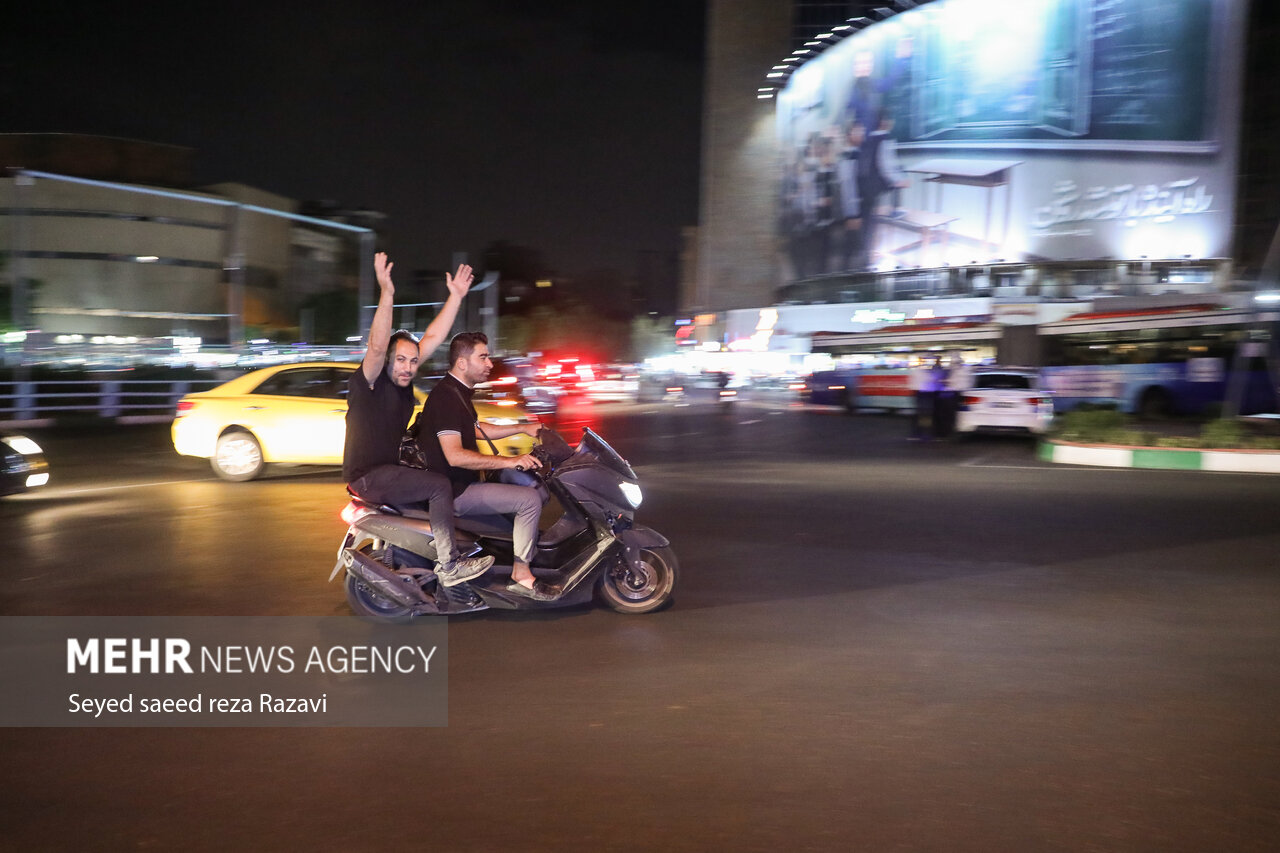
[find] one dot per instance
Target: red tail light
(970, 400)
(1034, 401)
(185, 406)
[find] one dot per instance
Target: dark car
(24, 467)
(831, 388)
(516, 381)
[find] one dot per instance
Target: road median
(1166, 458)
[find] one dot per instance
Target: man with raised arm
(379, 404)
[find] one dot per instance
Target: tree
(333, 315)
(651, 336)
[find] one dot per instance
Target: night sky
(569, 126)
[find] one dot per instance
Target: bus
(1185, 360)
(1154, 362)
(872, 369)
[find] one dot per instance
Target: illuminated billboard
(976, 130)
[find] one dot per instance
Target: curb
(1170, 459)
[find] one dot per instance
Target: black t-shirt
(448, 409)
(376, 420)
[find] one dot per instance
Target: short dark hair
(396, 336)
(463, 344)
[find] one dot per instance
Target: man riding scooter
(448, 433)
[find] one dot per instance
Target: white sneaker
(463, 570)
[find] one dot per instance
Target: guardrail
(125, 400)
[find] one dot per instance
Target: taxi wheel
(237, 457)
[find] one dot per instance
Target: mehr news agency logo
(174, 656)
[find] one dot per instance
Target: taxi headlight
(632, 493)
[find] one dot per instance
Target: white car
(1004, 399)
(613, 383)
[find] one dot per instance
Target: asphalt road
(875, 645)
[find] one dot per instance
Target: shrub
(1106, 426)
(1223, 433)
(1092, 426)
(1177, 441)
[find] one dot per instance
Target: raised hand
(382, 268)
(460, 282)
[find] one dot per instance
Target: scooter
(593, 548)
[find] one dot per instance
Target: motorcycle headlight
(632, 493)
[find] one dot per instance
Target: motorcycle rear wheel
(628, 591)
(371, 607)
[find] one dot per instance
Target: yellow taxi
(296, 414)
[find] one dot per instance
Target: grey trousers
(500, 499)
(398, 484)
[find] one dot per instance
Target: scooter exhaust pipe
(384, 582)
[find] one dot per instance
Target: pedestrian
(935, 390)
(922, 412)
(956, 384)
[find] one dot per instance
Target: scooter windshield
(557, 449)
(607, 455)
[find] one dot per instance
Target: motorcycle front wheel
(630, 591)
(371, 607)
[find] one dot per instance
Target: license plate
(1005, 405)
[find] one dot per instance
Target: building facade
(116, 245)
(1050, 157)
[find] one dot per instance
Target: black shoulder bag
(411, 455)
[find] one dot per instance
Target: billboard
(969, 131)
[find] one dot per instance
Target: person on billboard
(827, 218)
(379, 403)
(870, 95)
(796, 218)
(850, 200)
(878, 172)
(806, 230)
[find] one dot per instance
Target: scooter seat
(406, 510)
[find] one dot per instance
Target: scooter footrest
(458, 599)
